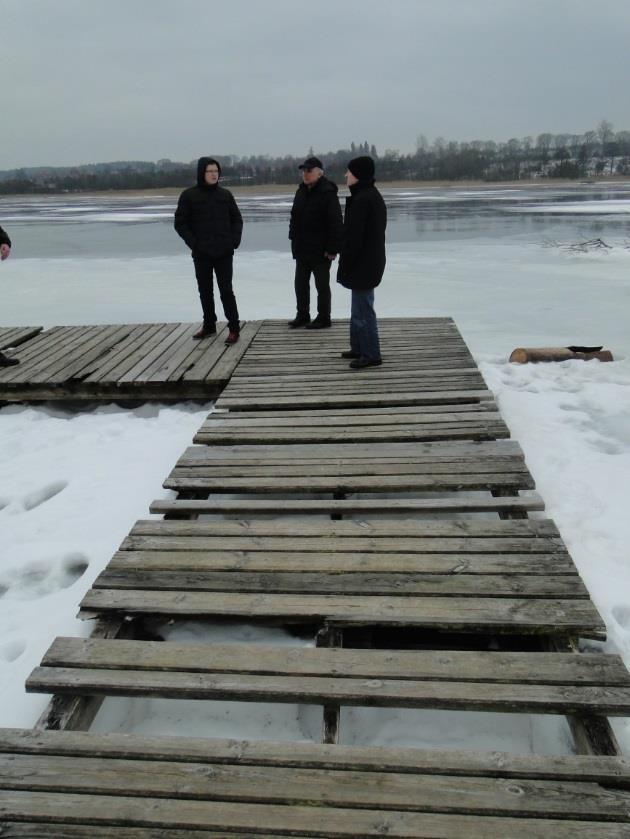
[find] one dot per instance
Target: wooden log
(523, 355)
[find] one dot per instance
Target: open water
(124, 226)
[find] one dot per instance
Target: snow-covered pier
(384, 515)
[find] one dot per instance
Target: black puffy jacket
(362, 257)
(207, 217)
(4, 239)
(316, 225)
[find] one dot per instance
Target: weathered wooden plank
(390, 433)
(529, 529)
(382, 693)
(457, 411)
(422, 452)
(295, 820)
(224, 559)
(166, 339)
(418, 397)
(356, 583)
(90, 355)
(137, 360)
(211, 468)
(229, 361)
(610, 771)
(183, 355)
(296, 419)
(14, 336)
(595, 669)
(352, 483)
(465, 614)
(42, 351)
(279, 785)
(349, 507)
(119, 359)
(355, 386)
(90, 343)
(332, 380)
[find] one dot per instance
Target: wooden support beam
(330, 636)
(505, 514)
(592, 735)
(77, 713)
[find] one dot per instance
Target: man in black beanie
(5, 250)
(362, 260)
(210, 223)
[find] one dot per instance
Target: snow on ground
(73, 484)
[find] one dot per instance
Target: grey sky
(96, 80)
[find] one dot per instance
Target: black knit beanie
(362, 167)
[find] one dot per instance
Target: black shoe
(319, 323)
(360, 363)
(300, 320)
(204, 332)
(5, 361)
(350, 354)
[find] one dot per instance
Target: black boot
(299, 320)
(5, 361)
(319, 323)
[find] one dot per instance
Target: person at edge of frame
(315, 232)
(209, 221)
(362, 260)
(5, 250)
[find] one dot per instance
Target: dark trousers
(222, 267)
(321, 272)
(363, 326)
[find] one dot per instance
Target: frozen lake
(97, 226)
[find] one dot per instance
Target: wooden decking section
(122, 362)
(386, 512)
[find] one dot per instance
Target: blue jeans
(363, 328)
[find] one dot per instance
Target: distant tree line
(599, 152)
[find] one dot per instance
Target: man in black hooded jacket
(5, 250)
(210, 223)
(315, 232)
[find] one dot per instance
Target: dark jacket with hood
(4, 239)
(316, 225)
(362, 257)
(207, 217)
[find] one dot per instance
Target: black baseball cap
(311, 163)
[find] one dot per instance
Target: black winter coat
(362, 257)
(316, 225)
(4, 239)
(208, 219)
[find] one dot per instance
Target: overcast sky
(98, 80)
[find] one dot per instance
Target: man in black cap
(5, 250)
(315, 233)
(210, 223)
(362, 260)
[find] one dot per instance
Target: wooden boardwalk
(386, 512)
(122, 362)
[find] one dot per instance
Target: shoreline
(274, 189)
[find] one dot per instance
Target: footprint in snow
(39, 496)
(11, 650)
(43, 578)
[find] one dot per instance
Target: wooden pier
(125, 362)
(386, 513)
